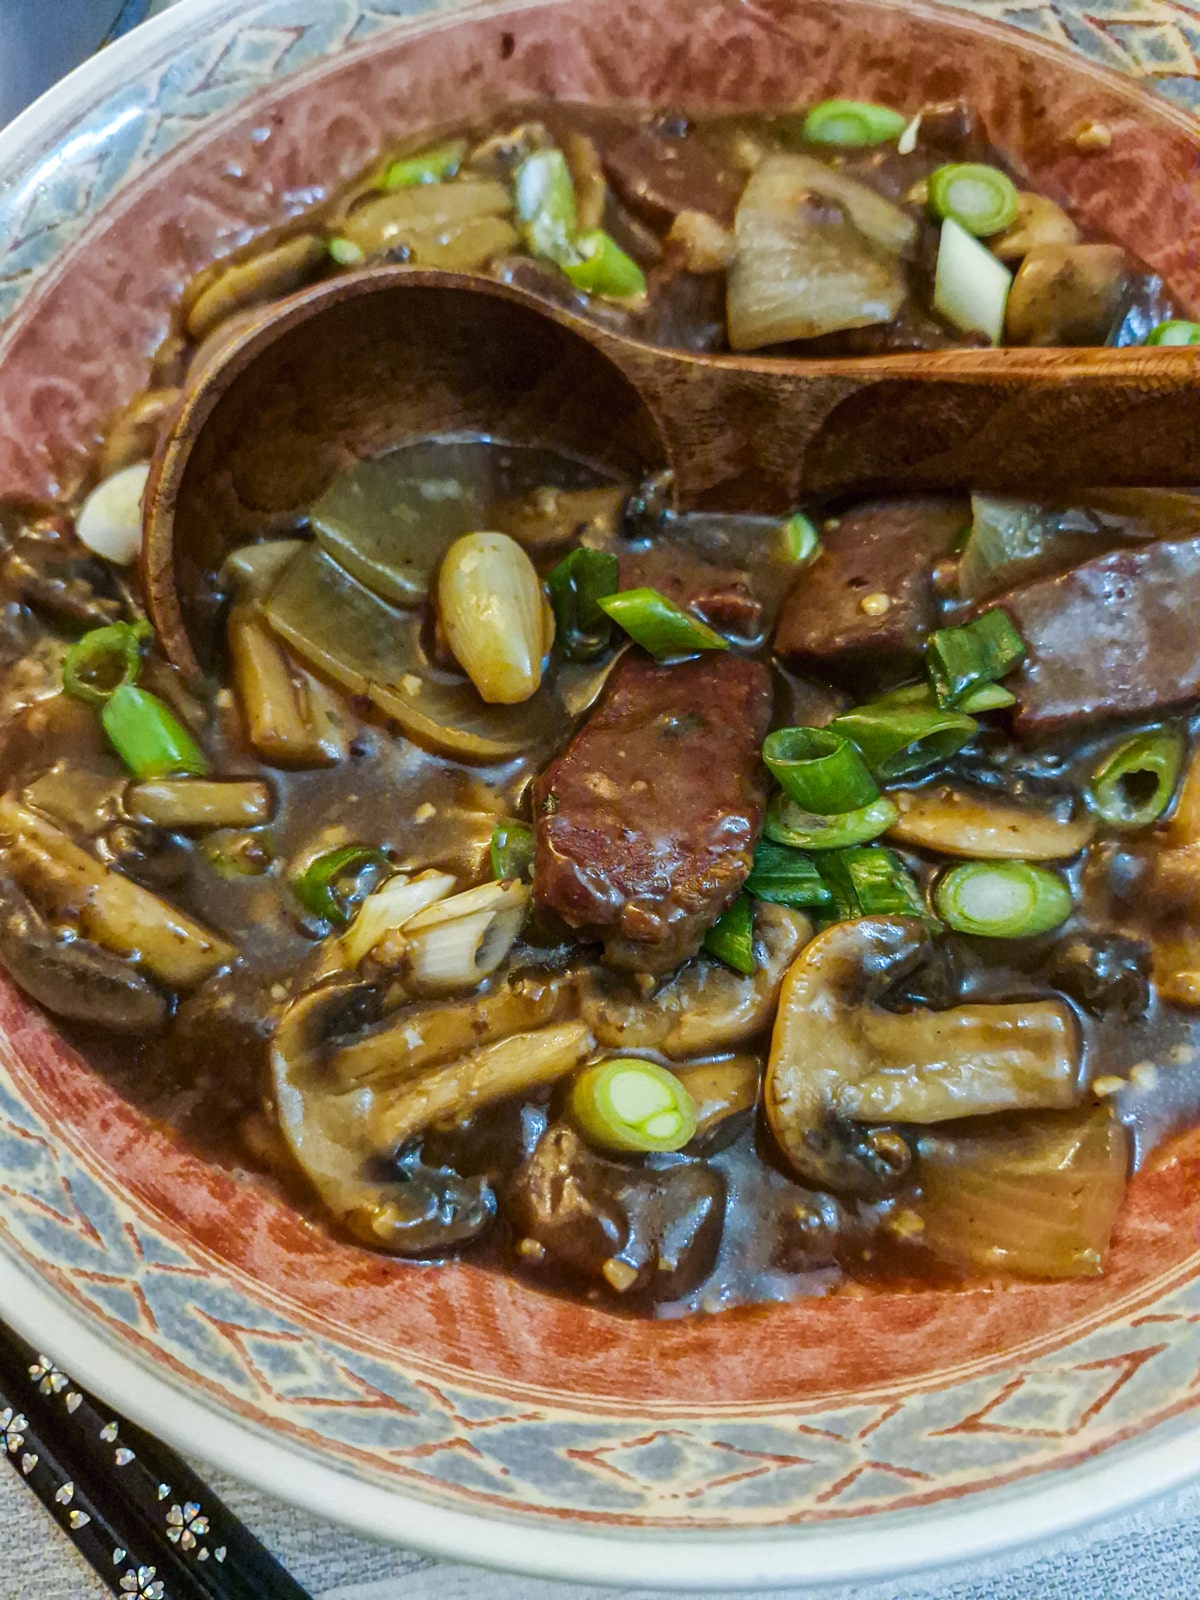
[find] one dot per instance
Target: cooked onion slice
(815, 252)
(1037, 1197)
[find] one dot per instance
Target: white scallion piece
(971, 287)
(907, 141)
(110, 520)
(389, 909)
(456, 943)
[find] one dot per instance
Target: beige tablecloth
(1152, 1555)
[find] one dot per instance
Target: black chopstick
(136, 1512)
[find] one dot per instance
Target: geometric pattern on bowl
(456, 1386)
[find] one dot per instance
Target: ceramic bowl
(454, 1409)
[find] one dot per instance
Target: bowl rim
(892, 1545)
(888, 1546)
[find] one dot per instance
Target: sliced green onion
(799, 540)
(731, 938)
(103, 660)
(603, 268)
(970, 287)
(659, 625)
(332, 884)
(872, 882)
(148, 736)
(959, 660)
(1002, 899)
(511, 851)
(346, 253)
(981, 199)
(906, 694)
(1133, 785)
(1174, 331)
(898, 741)
(986, 697)
(852, 124)
(544, 197)
(630, 1104)
(788, 823)
(431, 166)
(820, 770)
(786, 877)
(577, 585)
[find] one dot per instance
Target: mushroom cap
(840, 1060)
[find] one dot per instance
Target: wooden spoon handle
(753, 435)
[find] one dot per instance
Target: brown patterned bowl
(836, 1438)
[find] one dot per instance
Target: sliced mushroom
(838, 1058)
(410, 1041)
(721, 1090)
(82, 798)
(116, 913)
(427, 1066)
(457, 225)
(1038, 224)
(457, 1089)
(262, 277)
(957, 823)
(71, 977)
(403, 1207)
(1067, 295)
(135, 433)
(635, 1230)
(704, 1008)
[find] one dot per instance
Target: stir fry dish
(676, 911)
(842, 229)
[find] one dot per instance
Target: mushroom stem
(110, 909)
(511, 1066)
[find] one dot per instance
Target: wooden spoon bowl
(357, 365)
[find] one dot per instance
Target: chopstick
(135, 1511)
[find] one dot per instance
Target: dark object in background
(127, 1503)
(43, 42)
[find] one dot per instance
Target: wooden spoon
(358, 364)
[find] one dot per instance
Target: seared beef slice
(884, 553)
(1115, 637)
(658, 176)
(646, 824)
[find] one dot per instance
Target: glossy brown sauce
(207, 1077)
